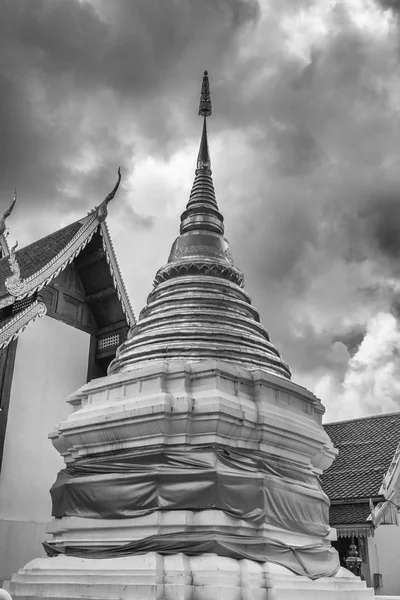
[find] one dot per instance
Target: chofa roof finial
(6, 214)
(102, 208)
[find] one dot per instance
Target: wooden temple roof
(366, 470)
(35, 256)
(30, 275)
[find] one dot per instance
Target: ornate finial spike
(102, 208)
(205, 108)
(111, 195)
(7, 213)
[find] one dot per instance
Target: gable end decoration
(21, 288)
(116, 274)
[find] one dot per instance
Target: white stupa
(192, 469)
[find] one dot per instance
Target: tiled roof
(36, 265)
(366, 449)
(349, 514)
(33, 257)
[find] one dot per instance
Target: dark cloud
(392, 4)
(395, 306)
(322, 222)
(303, 141)
(382, 214)
(350, 338)
(58, 60)
(311, 350)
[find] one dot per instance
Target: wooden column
(7, 361)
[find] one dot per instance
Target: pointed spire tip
(205, 107)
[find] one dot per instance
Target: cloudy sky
(305, 148)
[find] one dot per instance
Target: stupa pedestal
(209, 410)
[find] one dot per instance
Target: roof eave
(15, 326)
(356, 529)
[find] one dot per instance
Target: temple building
(192, 470)
(63, 312)
(363, 485)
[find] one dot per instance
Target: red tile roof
(366, 449)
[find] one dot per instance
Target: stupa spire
(205, 110)
(202, 210)
(198, 308)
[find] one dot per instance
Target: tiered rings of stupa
(198, 309)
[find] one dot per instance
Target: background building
(363, 487)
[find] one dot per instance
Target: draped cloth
(241, 483)
(314, 561)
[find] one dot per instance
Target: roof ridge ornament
(4, 248)
(101, 210)
(14, 284)
(6, 214)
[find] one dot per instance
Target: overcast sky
(305, 150)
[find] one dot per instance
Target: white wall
(384, 558)
(51, 362)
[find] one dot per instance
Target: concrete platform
(179, 577)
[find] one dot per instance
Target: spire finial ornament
(202, 210)
(205, 108)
